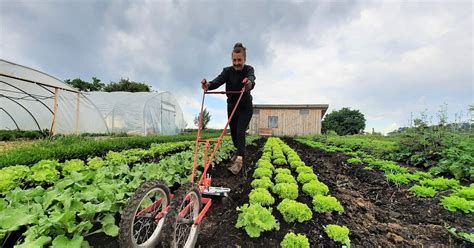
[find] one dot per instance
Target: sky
(391, 60)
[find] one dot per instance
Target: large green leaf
(62, 241)
(12, 218)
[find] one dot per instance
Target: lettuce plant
(339, 234)
(283, 171)
(72, 165)
(256, 219)
(284, 178)
(314, 188)
(327, 204)
(356, 161)
(398, 178)
(95, 163)
(292, 240)
(292, 211)
(454, 203)
(304, 169)
(262, 172)
(423, 191)
(279, 161)
(297, 164)
(307, 177)
(466, 192)
(261, 196)
(440, 183)
(286, 190)
(263, 182)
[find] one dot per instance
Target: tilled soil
(377, 213)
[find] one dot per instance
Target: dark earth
(377, 213)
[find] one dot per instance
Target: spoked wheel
(144, 215)
(185, 231)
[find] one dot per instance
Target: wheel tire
(127, 229)
(190, 237)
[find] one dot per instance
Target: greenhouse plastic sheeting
(27, 99)
(142, 113)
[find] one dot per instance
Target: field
(372, 201)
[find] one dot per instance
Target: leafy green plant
(72, 165)
(398, 178)
(44, 171)
(265, 164)
(294, 211)
(292, 240)
(462, 235)
(279, 161)
(95, 163)
(314, 188)
(454, 203)
(339, 234)
(356, 161)
(286, 190)
(284, 178)
(256, 219)
(304, 169)
(423, 191)
(306, 177)
(440, 183)
(262, 172)
(327, 204)
(283, 171)
(264, 182)
(466, 192)
(261, 196)
(296, 164)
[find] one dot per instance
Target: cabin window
(272, 121)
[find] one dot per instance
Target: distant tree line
(97, 85)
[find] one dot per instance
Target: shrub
(327, 204)
(294, 211)
(256, 219)
(292, 240)
(339, 234)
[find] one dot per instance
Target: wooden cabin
(287, 119)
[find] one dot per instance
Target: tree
(344, 122)
(127, 85)
(82, 85)
(206, 117)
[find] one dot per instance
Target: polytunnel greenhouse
(33, 100)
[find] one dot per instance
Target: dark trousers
(238, 125)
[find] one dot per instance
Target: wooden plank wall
(290, 121)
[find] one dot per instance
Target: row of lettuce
(69, 147)
(61, 204)
(454, 196)
(274, 174)
(439, 150)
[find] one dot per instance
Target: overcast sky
(385, 58)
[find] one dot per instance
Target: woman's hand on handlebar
(204, 84)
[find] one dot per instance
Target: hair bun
(238, 44)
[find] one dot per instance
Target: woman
(235, 77)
